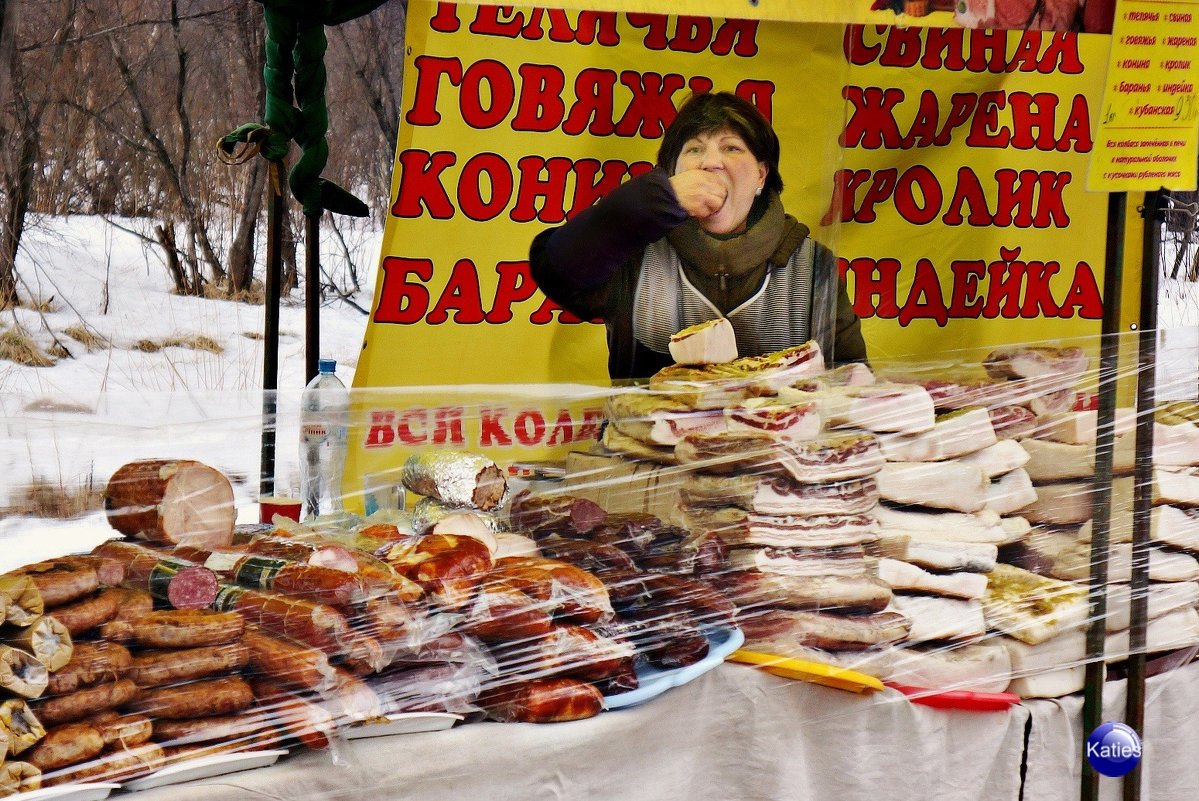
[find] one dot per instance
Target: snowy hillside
(144, 373)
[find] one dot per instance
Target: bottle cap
(327, 365)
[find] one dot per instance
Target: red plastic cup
(272, 505)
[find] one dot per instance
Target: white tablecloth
(1170, 765)
(735, 734)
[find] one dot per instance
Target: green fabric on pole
(328, 12)
(308, 56)
(294, 76)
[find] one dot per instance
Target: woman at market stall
(701, 236)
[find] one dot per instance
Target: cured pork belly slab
(1177, 486)
(1024, 361)
(832, 458)
(958, 387)
(781, 631)
(710, 342)
(1067, 557)
(1012, 422)
(954, 434)
(845, 561)
(715, 386)
(1176, 527)
(1176, 629)
(981, 667)
(1058, 461)
(773, 495)
(906, 576)
(790, 421)
(1176, 444)
(737, 527)
(658, 420)
(853, 374)
(935, 618)
(1081, 427)
(895, 408)
(1159, 599)
(756, 590)
(972, 557)
(1070, 502)
(614, 440)
(1050, 684)
(1004, 456)
(939, 485)
(984, 526)
(1032, 608)
(1011, 492)
(1057, 402)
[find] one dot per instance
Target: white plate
(403, 723)
(205, 767)
(69, 792)
(652, 681)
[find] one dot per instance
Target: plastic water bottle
(324, 420)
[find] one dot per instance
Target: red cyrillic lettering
(529, 427)
(592, 111)
(429, 70)
(404, 427)
(501, 93)
(872, 123)
(447, 426)
(873, 279)
(461, 294)
(541, 108)
(491, 429)
(924, 300)
(651, 108)
(516, 285)
(420, 185)
(382, 431)
(470, 186)
(400, 302)
(532, 187)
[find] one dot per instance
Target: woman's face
(725, 155)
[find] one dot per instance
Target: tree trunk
(166, 238)
(290, 278)
(8, 24)
(12, 227)
(241, 252)
(13, 220)
(251, 54)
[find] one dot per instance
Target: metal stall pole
(312, 294)
(1101, 498)
(1134, 711)
(270, 358)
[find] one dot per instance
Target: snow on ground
(1178, 340)
(78, 420)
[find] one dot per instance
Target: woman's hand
(699, 192)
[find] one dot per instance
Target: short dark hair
(709, 112)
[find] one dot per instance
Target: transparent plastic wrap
(914, 532)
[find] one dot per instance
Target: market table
(1170, 765)
(734, 733)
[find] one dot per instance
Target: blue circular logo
(1113, 749)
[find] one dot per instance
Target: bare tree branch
(141, 23)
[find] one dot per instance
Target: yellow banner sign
(962, 196)
(1086, 16)
(1149, 126)
(943, 166)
